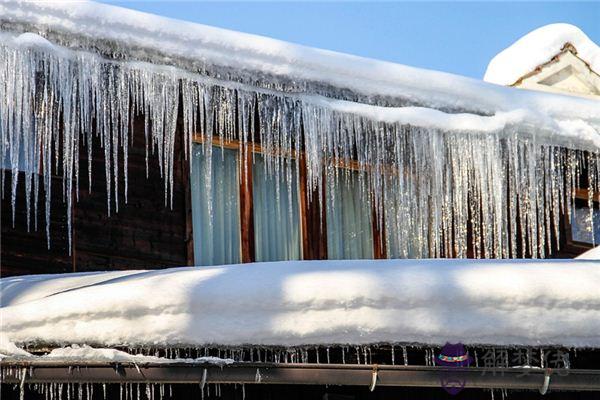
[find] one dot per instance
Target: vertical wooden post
(246, 209)
(314, 224)
(187, 203)
(379, 245)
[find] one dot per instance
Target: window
(276, 212)
(349, 227)
(215, 206)
(585, 223)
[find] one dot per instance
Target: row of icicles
(146, 391)
(536, 358)
(501, 193)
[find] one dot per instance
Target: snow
(261, 55)
(87, 353)
(459, 151)
(538, 47)
(479, 155)
(501, 302)
(9, 349)
(593, 254)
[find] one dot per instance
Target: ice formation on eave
(297, 303)
(539, 47)
(512, 173)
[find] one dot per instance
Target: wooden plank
(246, 208)
(187, 204)
(145, 233)
(379, 245)
(25, 252)
(306, 244)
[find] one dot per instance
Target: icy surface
(87, 353)
(436, 170)
(593, 254)
(9, 349)
(79, 353)
(518, 302)
(538, 47)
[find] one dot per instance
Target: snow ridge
(538, 47)
(517, 302)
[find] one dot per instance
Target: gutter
(19, 372)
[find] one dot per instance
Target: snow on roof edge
(571, 132)
(296, 303)
(538, 47)
(240, 50)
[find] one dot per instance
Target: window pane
(215, 207)
(581, 225)
(276, 213)
(349, 229)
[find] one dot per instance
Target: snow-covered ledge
(430, 302)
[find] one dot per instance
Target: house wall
(143, 234)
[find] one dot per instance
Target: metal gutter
(307, 374)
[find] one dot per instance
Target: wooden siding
(147, 234)
(143, 234)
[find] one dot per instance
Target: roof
(539, 47)
(268, 62)
(298, 303)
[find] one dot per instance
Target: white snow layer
(248, 52)
(593, 254)
(538, 47)
(499, 302)
(87, 353)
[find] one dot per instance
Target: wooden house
(130, 141)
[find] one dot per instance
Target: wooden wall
(143, 234)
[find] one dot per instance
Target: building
(132, 141)
(557, 58)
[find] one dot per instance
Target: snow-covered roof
(454, 141)
(143, 36)
(539, 47)
(501, 302)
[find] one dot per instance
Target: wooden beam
(189, 225)
(379, 245)
(583, 194)
(246, 209)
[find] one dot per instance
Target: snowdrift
(499, 302)
(538, 47)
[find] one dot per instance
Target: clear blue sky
(458, 37)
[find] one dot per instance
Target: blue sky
(458, 37)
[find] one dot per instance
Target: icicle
(434, 183)
(405, 355)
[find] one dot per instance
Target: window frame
(571, 245)
(312, 219)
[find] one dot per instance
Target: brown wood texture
(26, 252)
(246, 209)
(143, 234)
(313, 219)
